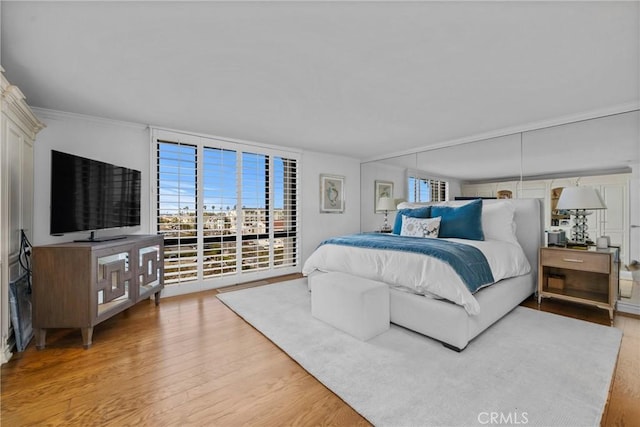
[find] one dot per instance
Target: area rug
(530, 368)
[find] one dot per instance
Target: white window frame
(421, 175)
(201, 141)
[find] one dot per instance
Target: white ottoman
(352, 304)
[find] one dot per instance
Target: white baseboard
(5, 354)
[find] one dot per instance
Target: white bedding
(419, 273)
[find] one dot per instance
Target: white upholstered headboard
(529, 221)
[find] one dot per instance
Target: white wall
(120, 143)
(318, 226)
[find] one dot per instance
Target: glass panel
(177, 219)
(426, 190)
(112, 284)
(284, 212)
(236, 195)
(284, 252)
(219, 258)
(180, 261)
(255, 254)
(149, 268)
(219, 212)
(255, 211)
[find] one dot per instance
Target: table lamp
(386, 204)
(578, 200)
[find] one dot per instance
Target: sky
(424, 190)
(177, 176)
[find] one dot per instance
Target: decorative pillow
(423, 212)
(497, 221)
(463, 222)
(420, 227)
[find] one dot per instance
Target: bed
(456, 316)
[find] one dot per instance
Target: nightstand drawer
(576, 260)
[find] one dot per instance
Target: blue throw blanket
(469, 262)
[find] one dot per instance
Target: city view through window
(237, 214)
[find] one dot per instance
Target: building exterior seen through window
(225, 211)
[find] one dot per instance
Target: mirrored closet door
(602, 153)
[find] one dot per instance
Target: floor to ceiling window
(225, 209)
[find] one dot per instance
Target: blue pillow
(414, 213)
(462, 222)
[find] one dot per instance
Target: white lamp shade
(580, 198)
(386, 204)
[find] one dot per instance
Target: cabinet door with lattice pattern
(150, 269)
(114, 280)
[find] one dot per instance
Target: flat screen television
(89, 195)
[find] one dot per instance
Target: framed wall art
(382, 189)
(331, 193)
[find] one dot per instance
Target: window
(225, 209)
(422, 189)
(176, 200)
(220, 195)
(285, 218)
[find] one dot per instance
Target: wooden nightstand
(582, 276)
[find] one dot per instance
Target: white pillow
(415, 205)
(497, 221)
(420, 227)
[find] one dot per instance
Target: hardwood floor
(192, 361)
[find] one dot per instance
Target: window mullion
(199, 210)
(270, 187)
(239, 213)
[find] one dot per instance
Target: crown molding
(64, 115)
(15, 103)
(559, 175)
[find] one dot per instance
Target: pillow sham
(462, 222)
(423, 212)
(498, 223)
(420, 227)
(416, 205)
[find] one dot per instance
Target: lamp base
(577, 245)
(385, 226)
(579, 231)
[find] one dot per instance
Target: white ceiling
(361, 79)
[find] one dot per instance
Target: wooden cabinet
(581, 276)
(19, 127)
(80, 284)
